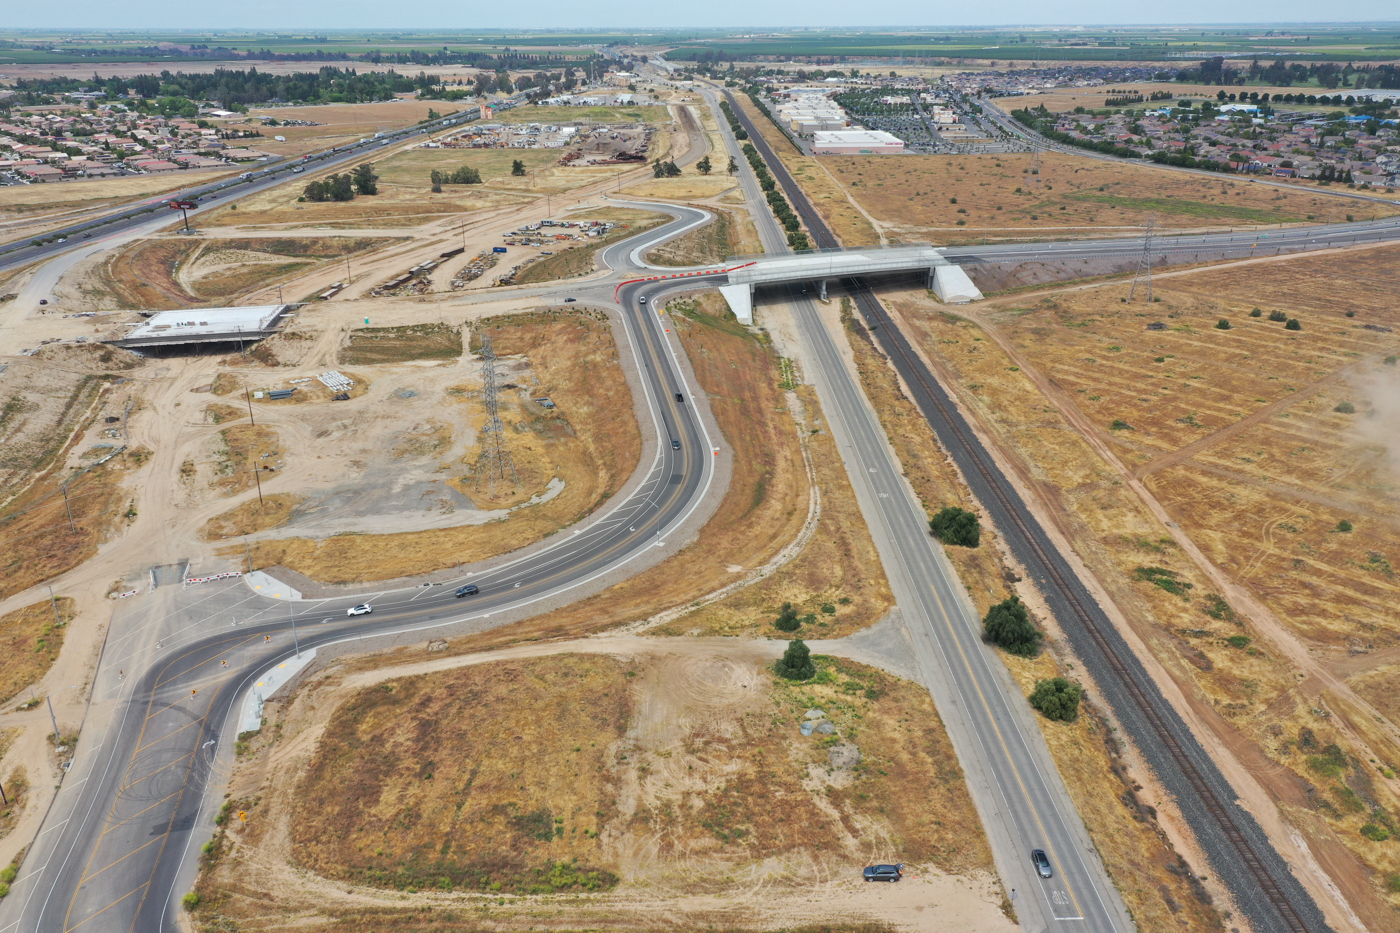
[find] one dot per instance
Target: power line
(494, 461)
(1144, 269)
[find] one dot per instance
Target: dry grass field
(30, 639)
(590, 440)
(1092, 98)
(339, 123)
(165, 273)
(1236, 437)
(960, 198)
(368, 346)
(644, 780)
(731, 233)
(36, 202)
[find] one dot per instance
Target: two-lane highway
(115, 846)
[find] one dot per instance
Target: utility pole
(54, 600)
(247, 552)
(494, 459)
(1144, 269)
(67, 505)
(347, 270)
(53, 719)
(293, 616)
(258, 479)
(248, 397)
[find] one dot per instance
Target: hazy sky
(434, 14)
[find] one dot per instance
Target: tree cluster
(1008, 626)
(661, 169)
(466, 175)
(796, 662)
(1057, 699)
(740, 133)
(953, 525)
(331, 188)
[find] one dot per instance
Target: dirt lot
(178, 272)
(578, 258)
(959, 198)
(1256, 600)
(569, 458)
(368, 346)
(680, 782)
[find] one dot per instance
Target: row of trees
(466, 175)
(740, 133)
(781, 209)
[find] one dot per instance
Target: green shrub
(1120, 425)
(953, 525)
(1344, 526)
(7, 874)
(1008, 626)
(1256, 313)
(1391, 360)
(796, 662)
(1392, 884)
(1238, 641)
(829, 609)
(1057, 699)
(1222, 324)
(1278, 317)
(1346, 408)
(190, 901)
(1374, 833)
(1331, 763)
(1293, 324)
(787, 620)
(1168, 580)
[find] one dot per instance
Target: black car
(884, 872)
(570, 300)
(471, 589)
(675, 445)
(1042, 863)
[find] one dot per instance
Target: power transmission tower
(1035, 165)
(494, 460)
(1144, 269)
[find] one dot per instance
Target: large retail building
(856, 142)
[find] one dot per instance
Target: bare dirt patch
(579, 258)
(589, 442)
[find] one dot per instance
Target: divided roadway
(1260, 882)
(116, 850)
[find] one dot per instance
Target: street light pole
(293, 616)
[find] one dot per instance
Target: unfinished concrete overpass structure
(947, 280)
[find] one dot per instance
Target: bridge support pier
(952, 286)
(740, 298)
(821, 286)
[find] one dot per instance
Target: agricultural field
(960, 199)
(658, 772)
(180, 272)
(1270, 596)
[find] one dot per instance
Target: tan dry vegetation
(239, 451)
(273, 511)
(1211, 438)
(731, 233)
(493, 778)
(1092, 98)
(17, 789)
(577, 258)
(25, 202)
(914, 195)
(591, 440)
(686, 186)
(179, 272)
(670, 773)
(219, 413)
(30, 639)
(368, 346)
(1148, 872)
(339, 123)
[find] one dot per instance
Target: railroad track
(1267, 905)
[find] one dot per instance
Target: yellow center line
(67, 928)
(135, 815)
(947, 620)
(87, 878)
(126, 787)
(192, 722)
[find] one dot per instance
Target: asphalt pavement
(116, 851)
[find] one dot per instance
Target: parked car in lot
(363, 609)
(884, 872)
(471, 589)
(1042, 863)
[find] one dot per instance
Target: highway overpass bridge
(945, 278)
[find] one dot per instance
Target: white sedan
(363, 609)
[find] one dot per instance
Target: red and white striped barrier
(217, 576)
(677, 275)
(122, 595)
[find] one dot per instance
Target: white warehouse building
(856, 142)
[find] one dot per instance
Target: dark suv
(884, 872)
(471, 589)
